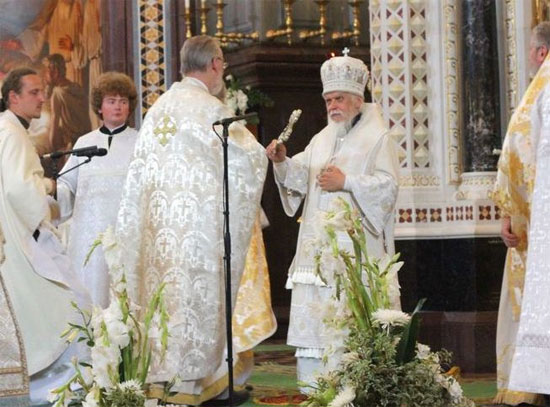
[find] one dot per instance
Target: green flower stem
(357, 246)
(353, 285)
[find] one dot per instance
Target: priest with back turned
(170, 222)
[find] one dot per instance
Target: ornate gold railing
(287, 33)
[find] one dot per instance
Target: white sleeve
(67, 186)
(375, 191)
(292, 177)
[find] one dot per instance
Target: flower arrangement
(378, 362)
(240, 99)
(121, 345)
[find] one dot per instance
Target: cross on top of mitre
(345, 51)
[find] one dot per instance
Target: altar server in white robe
(354, 158)
(90, 194)
(170, 223)
(531, 363)
(36, 272)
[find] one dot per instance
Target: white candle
(203, 3)
(187, 4)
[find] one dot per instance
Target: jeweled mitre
(344, 74)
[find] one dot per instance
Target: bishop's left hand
(331, 179)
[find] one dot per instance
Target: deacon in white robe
(170, 223)
(36, 272)
(531, 362)
(90, 194)
(352, 158)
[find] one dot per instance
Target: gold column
(355, 32)
(203, 10)
(232, 37)
(288, 30)
(322, 31)
(541, 11)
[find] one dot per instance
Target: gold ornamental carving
(419, 180)
(511, 55)
(451, 88)
(541, 11)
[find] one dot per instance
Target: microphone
(100, 152)
(91, 151)
(229, 120)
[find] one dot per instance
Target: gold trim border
(22, 370)
(450, 13)
(419, 180)
(511, 56)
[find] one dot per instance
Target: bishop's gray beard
(341, 128)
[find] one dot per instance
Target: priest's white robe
(531, 362)
(170, 225)
(36, 273)
(367, 156)
(90, 196)
(14, 379)
(512, 193)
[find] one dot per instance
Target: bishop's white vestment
(170, 226)
(37, 274)
(531, 362)
(90, 196)
(366, 155)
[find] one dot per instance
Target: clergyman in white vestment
(512, 193)
(37, 274)
(90, 194)
(531, 362)
(353, 158)
(170, 223)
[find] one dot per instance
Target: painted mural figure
(68, 106)
(71, 30)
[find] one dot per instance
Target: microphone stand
(86, 161)
(55, 174)
(227, 262)
(227, 246)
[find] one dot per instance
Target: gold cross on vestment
(165, 130)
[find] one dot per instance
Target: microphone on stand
(91, 151)
(229, 120)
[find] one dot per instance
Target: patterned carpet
(273, 381)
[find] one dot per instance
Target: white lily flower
(104, 357)
(422, 351)
(242, 101)
(344, 398)
(454, 389)
(231, 101)
(92, 398)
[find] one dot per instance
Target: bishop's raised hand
(276, 152)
